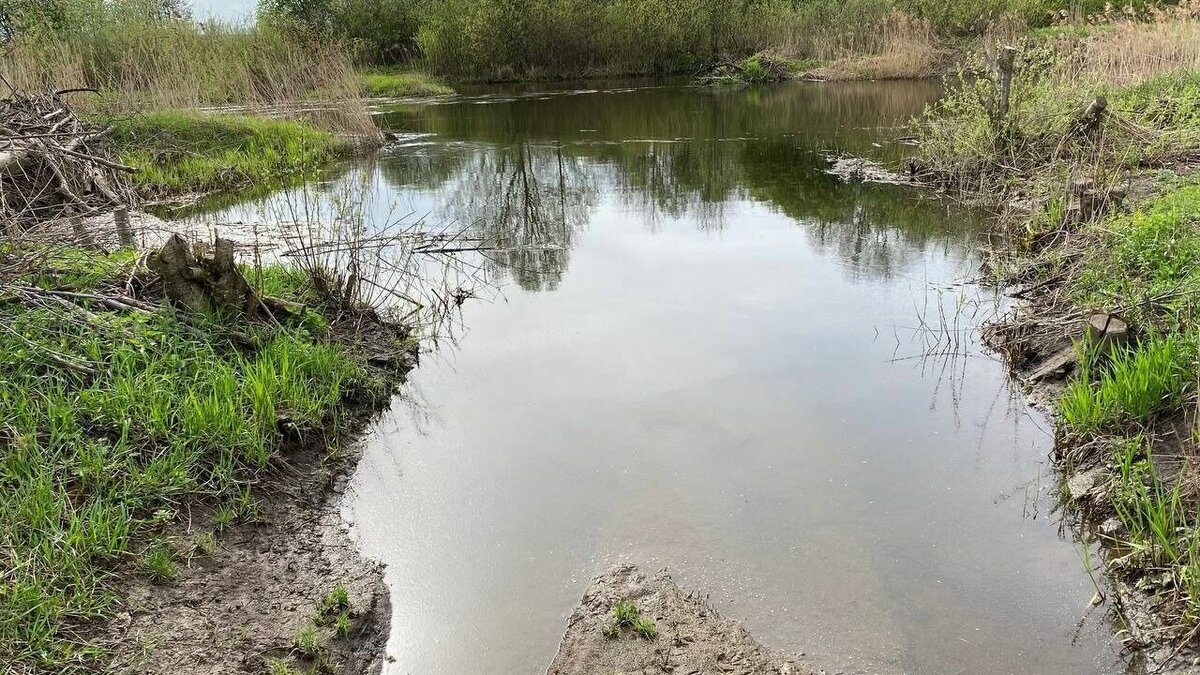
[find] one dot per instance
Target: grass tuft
(308, 641)
(159, 563)
(1138, 382)
(625, 612)
(626, 615)
(645, 628)
(337, 600)
(279, 667)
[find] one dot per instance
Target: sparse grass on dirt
(309, 641)
(625, 615)
(192, 152)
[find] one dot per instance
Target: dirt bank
(241, 608)
(692, 638)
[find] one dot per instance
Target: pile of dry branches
(48, 167)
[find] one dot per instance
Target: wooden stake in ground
(1004, 74)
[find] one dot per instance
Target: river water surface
(701, 358)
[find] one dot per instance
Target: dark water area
(705, 354)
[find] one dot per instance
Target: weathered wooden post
(1005, 61)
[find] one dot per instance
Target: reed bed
(179, 64)
(1126, 50)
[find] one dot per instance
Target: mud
(693, 639)
(231, 611)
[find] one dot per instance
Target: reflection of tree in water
(529, 202)
(695, 179)
(526, 170)
(875, 230)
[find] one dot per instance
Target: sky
(225, 9)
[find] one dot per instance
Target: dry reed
(181, 65)
(1129, 51)
(898, 47)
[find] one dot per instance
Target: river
(702, 353)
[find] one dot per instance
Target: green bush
(378, 31)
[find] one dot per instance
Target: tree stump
(201, 283)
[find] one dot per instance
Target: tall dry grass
(898, 47)
(1127, 50)
(178, 64)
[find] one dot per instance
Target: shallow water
(702, 358)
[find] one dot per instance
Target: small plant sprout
(645, 628)
(308, 640)
(159, 563)
(337, 600)
(343, 624)
(324, 665)
(224, 517)
(625, 613)
(279, 667)
(206, 544)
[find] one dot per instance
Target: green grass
(1153, 515)
(1150, 256)
(159, 563)
(1134, 384)
(94, 466)
(279, 667)
(393, 83)
(308, 641)
(337, 600)
(189, 152)
(626, 615)
(645, 628)
(206, 544)
(625, 612)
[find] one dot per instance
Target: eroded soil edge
(236, 610)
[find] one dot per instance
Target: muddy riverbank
(240, 607)
(1060, 348)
